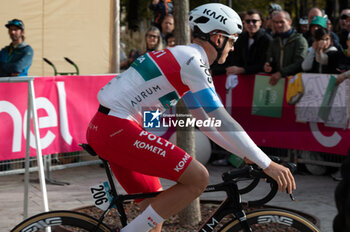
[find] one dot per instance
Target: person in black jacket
(339, 61)
(249, 55)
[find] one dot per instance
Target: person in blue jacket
(16, 58)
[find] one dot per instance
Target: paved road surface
(314, 194)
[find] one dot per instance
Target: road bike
(106, 197)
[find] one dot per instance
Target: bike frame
(231, 205)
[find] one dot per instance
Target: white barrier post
(31, 110)
(38, 147)
(26, 175)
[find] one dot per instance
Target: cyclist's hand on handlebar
(282, 176)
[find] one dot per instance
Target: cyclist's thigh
(135, 182)
(124, 143)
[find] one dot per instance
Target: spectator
(269, 25)
(303, 25)
(342, 19)
(167, 27)
(250, 49)
(316, 23)
(16, 58)
(339, 61)
(160, 9)
(153, 40)
(170, 40)
(329, 25)
(343, 34)
(314, 62)
(286, 51)
(126, 61)
(313, 12)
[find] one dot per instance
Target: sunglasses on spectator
(152, 36)
(344, 17)
(254, 21)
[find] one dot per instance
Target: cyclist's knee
(196, 176)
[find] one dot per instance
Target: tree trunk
(185, 136)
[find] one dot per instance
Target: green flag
(268, 99)
(328, 99)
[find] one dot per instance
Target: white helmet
(215, 16)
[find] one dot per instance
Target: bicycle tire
(62, 220)
(272, 220)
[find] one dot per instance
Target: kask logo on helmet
(212, 14)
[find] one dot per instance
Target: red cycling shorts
(137, 157)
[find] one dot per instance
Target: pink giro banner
(283, 132)
(65, 105)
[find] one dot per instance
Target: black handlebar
(255, 173)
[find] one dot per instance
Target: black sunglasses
(344, 17)
(254, 21)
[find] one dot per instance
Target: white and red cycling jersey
(157, 80)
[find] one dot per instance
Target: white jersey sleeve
(195, 74)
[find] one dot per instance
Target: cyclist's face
(229, 47)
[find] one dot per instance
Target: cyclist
(157, 80)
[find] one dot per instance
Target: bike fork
(240, 215)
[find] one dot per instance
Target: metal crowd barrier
(57, 162)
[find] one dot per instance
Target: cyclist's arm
(230, 135)
(211, 132)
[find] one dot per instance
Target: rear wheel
(60, 221)
(272, 220)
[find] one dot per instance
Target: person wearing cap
(318, 22)
(16, 58)
(286, 51)
(303, 25)
(316, 60)
(269, 26)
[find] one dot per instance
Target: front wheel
(60, 221)
(276, 220)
